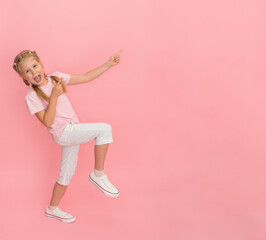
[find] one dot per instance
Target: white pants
(73, 135)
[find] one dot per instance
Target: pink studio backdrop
(187, 105)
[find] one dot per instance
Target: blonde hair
(16, 66)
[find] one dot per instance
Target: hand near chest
(57, 89)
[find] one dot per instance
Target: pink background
(187, 106)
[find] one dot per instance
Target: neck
(45, 82)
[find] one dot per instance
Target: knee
(107, 127)
(62, 183)
(65, 179)
(105, 134)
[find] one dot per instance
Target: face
(32, 71)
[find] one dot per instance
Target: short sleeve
(65, 76)
(34, 103)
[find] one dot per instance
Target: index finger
(121, 50)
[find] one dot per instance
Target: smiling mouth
(38, 78)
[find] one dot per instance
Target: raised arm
(88, 76)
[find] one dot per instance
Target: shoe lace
(107, 183)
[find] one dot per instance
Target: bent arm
(47, 117)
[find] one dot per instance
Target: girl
(47, 99)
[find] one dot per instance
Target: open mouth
(38, 78)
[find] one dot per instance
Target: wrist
(108, 64)
(53, 96)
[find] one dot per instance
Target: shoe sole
(70, 220)
(102, 190)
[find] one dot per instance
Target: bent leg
(74, 135)
(79, 133)
(85, 132)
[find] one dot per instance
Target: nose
(33, 71)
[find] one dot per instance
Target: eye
(35, 65)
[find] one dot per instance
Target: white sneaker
(59, 214)
(104, 185)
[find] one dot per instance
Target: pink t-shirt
(64, 111)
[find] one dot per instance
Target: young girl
(47, 99)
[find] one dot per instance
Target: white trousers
(75, 134)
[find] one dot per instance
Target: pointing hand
(115, 58)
